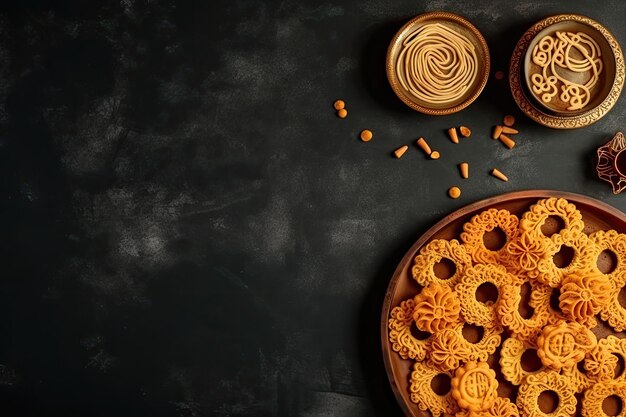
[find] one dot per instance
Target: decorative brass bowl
(554, 114)
(458, 24)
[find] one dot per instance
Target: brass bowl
(458, 24)
(555, 115)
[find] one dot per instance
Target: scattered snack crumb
(497, 131)
(498, 174)
(508, 120)
(465, 131)
(366, 135)
(464, 169)
(434, 155)
(342, 113)
(421, 142)
(453, 135)
(509, 130)
(339, 104)
(400, 151)
(508, 142)
(499, 75)
(454, 192)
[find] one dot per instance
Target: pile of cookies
(574, 363)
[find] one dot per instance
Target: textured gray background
(188, 228)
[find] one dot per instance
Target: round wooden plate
(596, 215)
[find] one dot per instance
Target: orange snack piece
(366, 135)
(496, 173)
(454, 192)
(465, 131)
(596, 394)
(475, 387)
(342, 113)
(339, 104)
(508, 120)
(464, 170)
(434, 155)
(437, 307)
(454, 137)
(511, 361)
(509, 130)
(421, 142)
(583, 256)
(400, 151)
(507, 141)
(525, 329)
(497, 131)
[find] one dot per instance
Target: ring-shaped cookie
(524, 329)
(511, 354)
(423, 265)
(533, 219)
(400, 336)
(596, 394)
(502, 407)
(480, 350)
(474, 311)
(534, 385)
(583, 259)
(613, 312)
(616, 347)
(423, 395)
(580, 380)
(487, 221)
(615, 242)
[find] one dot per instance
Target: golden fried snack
(615, 242)
(600, 362)
(475, 387)
(527, 330)
(539, 212)
(437, 307)
(423, 395)
(511, 361)
(563, 345)
(616, 347)
(475, 229)
(474, 311)
(502, 407)
(583, 260)
(583, 295)
(579, 380)
(452, 340)
(433, 253)
(525, 251)
(448, 350)
(613, 312)
(534, 385)
(595, 395)
(400, 337)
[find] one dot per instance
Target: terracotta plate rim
(478, 205)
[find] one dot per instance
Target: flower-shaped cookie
(436, 308)
(583, 295)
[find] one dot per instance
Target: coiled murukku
(614, 242)
(475, 387)
(474, 232)
(431, 254)
(400, 336)
(550, 274)
(525, 329)
(613, 312)
(533, 220)
(595, 396)
(423, 395)
(534, 385)
(511, 361)
(474, 311)
(437, 65)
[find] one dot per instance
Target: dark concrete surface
(188, 230)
